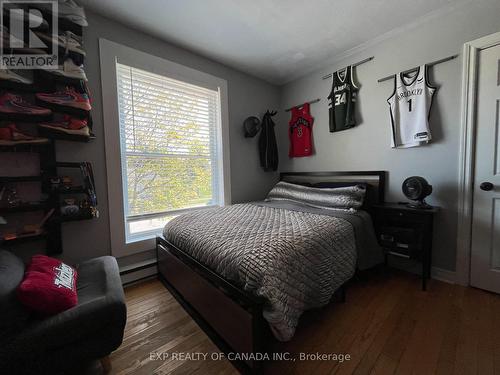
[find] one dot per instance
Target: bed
(245, 270)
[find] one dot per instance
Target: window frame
(110, 54)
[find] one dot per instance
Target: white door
(485, 251)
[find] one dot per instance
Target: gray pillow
(13, 315)
(342, 198)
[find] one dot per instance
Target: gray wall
(367, 147)
(247, 96)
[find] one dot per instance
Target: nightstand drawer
(396, 218)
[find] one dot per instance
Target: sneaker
(69, 10)
(11, 135)
(9, 79)
(15, 107)
(69, 70)
(69, 44)
(67, 101)
(68, 125)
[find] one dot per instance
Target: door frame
(467, 153)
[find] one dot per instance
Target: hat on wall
(251, 126)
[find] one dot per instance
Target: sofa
(32, 344)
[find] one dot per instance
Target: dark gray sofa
(53, 345)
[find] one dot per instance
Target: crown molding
(338, 58)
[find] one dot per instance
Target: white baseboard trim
(416, 268)
(443, 275)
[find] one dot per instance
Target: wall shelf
(80, 217)
(72, 190)
(24, 238)
(53, 198)
(52, 228)
(14, 179)
(25, 207)
(66, 137)
(26, 147)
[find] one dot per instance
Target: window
(170, 161)
(166, 143)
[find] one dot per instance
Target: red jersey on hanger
(300, 132)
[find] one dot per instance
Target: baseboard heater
(139, 271)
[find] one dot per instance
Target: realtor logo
(29, 32)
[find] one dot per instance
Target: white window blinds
(171, 160)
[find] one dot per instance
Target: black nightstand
(406, 232)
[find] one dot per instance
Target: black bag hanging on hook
(268, 148)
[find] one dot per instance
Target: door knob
(486, 186)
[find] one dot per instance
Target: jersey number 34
(340, 99)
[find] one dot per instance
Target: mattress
(292, 255)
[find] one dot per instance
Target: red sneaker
(15, 107)
(11, 135)
(68, 125)
(67, 100)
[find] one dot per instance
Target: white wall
(367, 146)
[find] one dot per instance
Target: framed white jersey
(409, 108)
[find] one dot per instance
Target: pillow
(49, 286)
(13, 315)
(344, 198)
(337, 184)
(370, 195)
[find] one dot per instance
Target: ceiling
(276, 40)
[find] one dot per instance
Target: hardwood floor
(387, 326)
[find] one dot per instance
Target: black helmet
(251, 126)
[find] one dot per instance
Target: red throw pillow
(49, 286)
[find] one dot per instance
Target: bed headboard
(374, 179)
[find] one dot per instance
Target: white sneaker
(73, 12)
(70, 70)
(67, 41)
(69, 10)
(9, 75)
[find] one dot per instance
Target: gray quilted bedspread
(295, 260)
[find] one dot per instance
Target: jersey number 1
(409, 105)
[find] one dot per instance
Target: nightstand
(407, 233)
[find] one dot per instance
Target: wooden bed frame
(230, 316)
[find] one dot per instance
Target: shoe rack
(30, 221)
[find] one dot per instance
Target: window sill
(144, 237)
